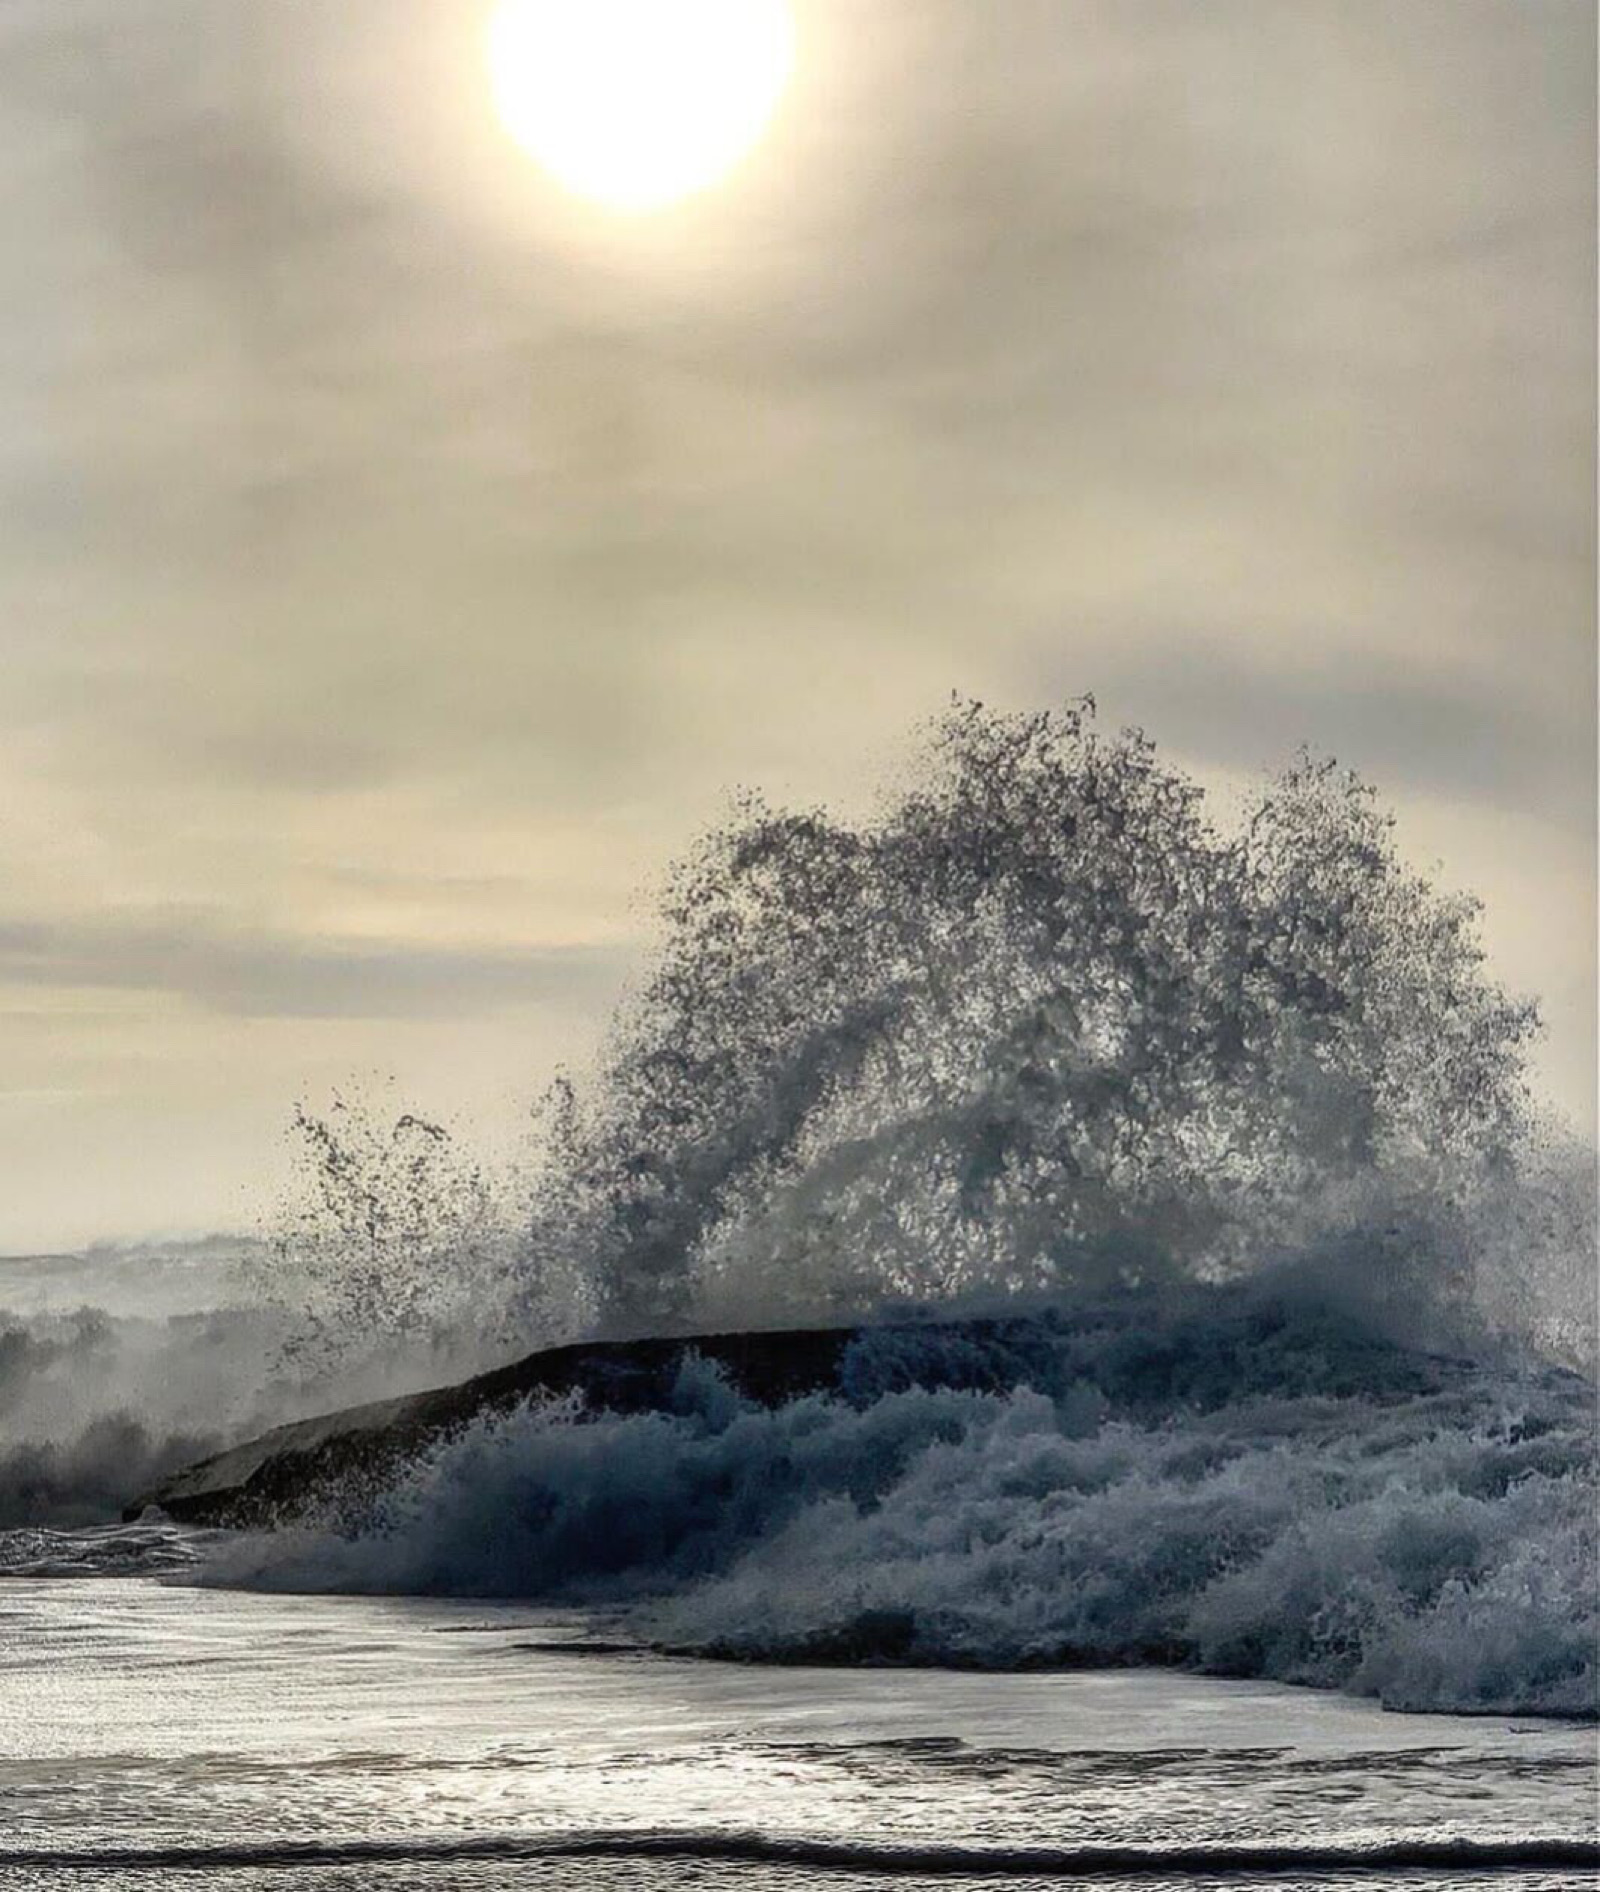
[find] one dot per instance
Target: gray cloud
(265, 977)
(1486, 744)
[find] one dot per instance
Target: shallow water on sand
(161, 1735)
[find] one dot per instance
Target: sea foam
(1242, 1487)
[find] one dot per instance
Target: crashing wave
(1243, 1485)
(1239, 1103)
(1042, 1026)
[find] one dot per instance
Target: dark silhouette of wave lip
(1201, 1347)
(1081, 1862)
(279, 1476)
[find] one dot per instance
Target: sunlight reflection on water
(144, 1716)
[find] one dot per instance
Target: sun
(637, 103)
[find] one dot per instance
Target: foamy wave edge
(1311, 1507)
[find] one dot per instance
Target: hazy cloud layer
(397, 559)
(263, 977)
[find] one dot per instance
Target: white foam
(1433, 1547)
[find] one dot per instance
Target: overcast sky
(398, 558)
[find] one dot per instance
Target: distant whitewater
(1232, 1119)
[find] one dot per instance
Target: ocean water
(1259, 1542)
(159, 1734)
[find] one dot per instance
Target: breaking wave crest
(1043, 1024)
(1246, 1484)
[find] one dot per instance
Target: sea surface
(1289, 1388)
(157, 1734)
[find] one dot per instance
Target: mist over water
(1228, 1118)
(94, 1403)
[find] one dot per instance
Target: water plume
(1040, 1025)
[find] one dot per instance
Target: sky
(401, 558)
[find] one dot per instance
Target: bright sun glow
(638, 102)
